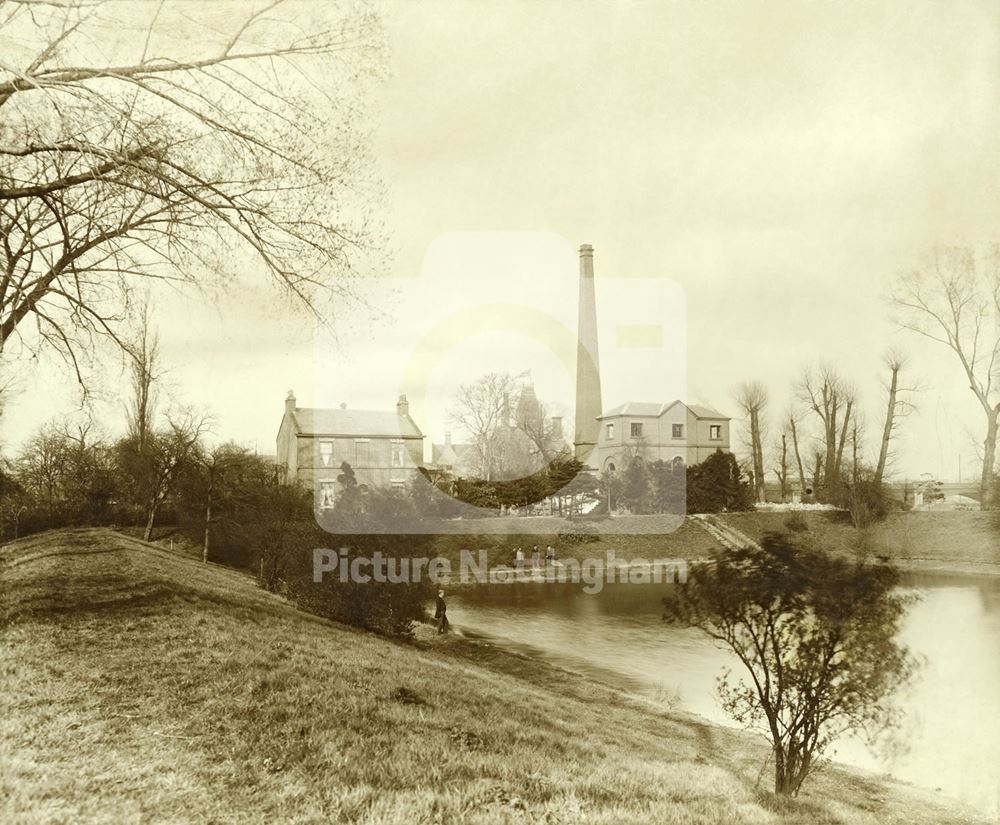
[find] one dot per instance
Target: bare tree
(187, 149)
(793, 428)
(830, 397)
(857, 437)
(483, 410)
(167, 453)
(220, 467)
(145, 372)
(954, 299)
(817, 478)
(899, 405)
(752, 400)
(781, 470)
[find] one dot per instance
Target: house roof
(346, 422)
(458, 453)
(655, 410)
(702, 411)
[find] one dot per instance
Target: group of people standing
(536, 556)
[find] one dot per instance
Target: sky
(751, 177)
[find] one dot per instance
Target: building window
(398, 485)
(635, 429)
(397, 454)
(677, 430)
(327, 494)
(326, 453)
(715, 432)
(611, 431)
(363, 453)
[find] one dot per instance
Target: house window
(363, 453)
(327, 494)
(397, 454)
(677, 430)
(398, 485)
(635, 429)
(715, 432)
(611, 431)
(326, 453)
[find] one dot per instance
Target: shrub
(867, 503)
(796, 523)
(717, 484)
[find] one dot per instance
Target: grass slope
(140, 685)
(631, 537)
(955, 541)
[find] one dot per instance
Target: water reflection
(950, 738)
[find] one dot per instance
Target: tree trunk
(854, 454)
(208, 514)
(208, 530)
(890, 414)
(989, 458)
(758, 455)
(784, 467)
(798, 457)
(153, 507)
(835, 476)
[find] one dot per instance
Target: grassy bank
(140, 685)
(960, 541)
(631, 537)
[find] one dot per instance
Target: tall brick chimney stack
(402, 406)
(290, 403)
(588, 375)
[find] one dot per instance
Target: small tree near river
(816, 635)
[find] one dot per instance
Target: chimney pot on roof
(290, 402)
(403, 406)
(447, 437)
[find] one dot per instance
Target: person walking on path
(441, 612)
(550, 555)
(519, 558)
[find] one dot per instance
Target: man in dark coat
(441, 612)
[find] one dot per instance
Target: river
(950, 738)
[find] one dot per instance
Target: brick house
(383, 447)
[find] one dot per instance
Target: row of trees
(820, 444)
(953, 299)
(225, 501)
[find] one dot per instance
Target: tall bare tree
(857, 437)
(953, 298)
(144, 352)
(898, 406)
(142, 141)
(752, 400)
(168, 454)
(793, 428)
(831, 398)
(483, 410)
(781, 469)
